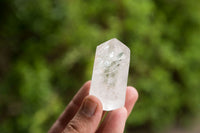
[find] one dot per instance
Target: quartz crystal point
(110, 74)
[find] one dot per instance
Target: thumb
(87, 118)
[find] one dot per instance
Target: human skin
(84, 114)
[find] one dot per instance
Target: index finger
(71, 109)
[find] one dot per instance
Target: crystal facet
(110, 74)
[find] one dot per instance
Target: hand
(84, 113)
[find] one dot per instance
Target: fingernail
(89, 108)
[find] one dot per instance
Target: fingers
(90, 114)
(115, 120)
(87, 118)
(71, 109)
(131, 98)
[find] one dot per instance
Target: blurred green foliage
(47, 51)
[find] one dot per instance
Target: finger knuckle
(73, 127)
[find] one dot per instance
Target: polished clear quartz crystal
(110, 74)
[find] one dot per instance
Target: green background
(47, 50)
